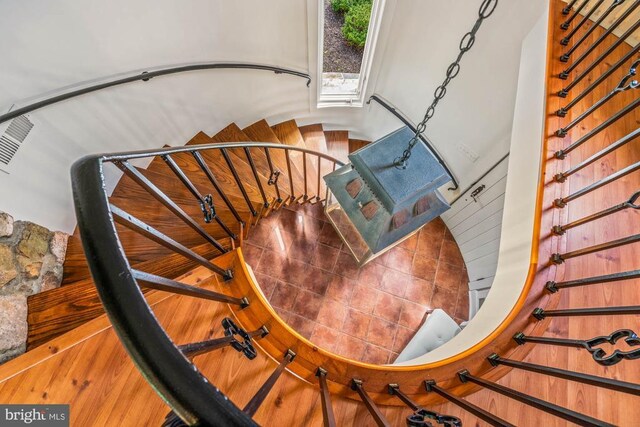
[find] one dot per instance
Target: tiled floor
(368, 314)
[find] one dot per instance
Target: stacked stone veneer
(31, 259)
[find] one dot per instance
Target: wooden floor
(89, 369)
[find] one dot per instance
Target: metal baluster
(560, 203)
(304, 168)
(615, 277)
(154, 191)
(381, 421)
(140, 227)
(273, 178)
(561, 154)
(167, 285)
(256, 176)
(611, 384)
(258, 398)
(565, 40)
(293, 192)
(624, 85)
(431, 386)
(235, 337)
(559, 411)
(318, 198)
(216, 185)
(568, 8)
(565, 24)
(206, 202)
(561, 229)
(561, 177)
(329, 419)
(540, 314)
(232, 168)
(420, 415)
(565, 74)
(591, 345)
(558, 258)
(599, 21)
(564, 92)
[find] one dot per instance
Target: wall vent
(13, 137)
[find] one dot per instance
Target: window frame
(350, 99)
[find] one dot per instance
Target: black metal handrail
(404, 119)
(147, 75)
(162, 362)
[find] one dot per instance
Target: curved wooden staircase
(76, 356)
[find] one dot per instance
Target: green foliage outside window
(356, 19)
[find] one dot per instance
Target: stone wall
(31, 259)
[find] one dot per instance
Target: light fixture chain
(468, 40)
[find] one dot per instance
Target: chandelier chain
(466, 43)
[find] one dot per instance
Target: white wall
(48, 45)
(520, 200)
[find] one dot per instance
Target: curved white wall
(49, 45)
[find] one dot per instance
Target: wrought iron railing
(195, 401)
(146, 76)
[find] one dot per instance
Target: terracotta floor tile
(307, 304)
(302, 249)
(403, 336)
(411, 243)
(388, 307)
(332, 314)
(272, 264)
(298, 224)
(295, 272)
(301, 324)
(419, 291)
(449, 276)
(329, 236)
(324, 337)
(395, 282)
(436, 227)
(324, 257)
(462, 306)
(412, 315)
(445, 299)
(428, 245)
(376, 355)
(350, 347)
(260, 236)
(315, 280)
(400, 259)
(340, 289)
(252, 254)
(381, 259)
(284, 314)
(382, 333)
(371, 275)
(346, 266)
(267, 284)
(450, 253)
(364, 299)
(284, 296)
(424, 268)
(280, 241)
(356, 323)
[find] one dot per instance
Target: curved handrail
(146, 76)
(170, 373)
(404, 119)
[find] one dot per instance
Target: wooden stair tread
(289, 133)
(313, 136)
(232, 133)
(260, 131)
(53, 313)
(338, 144)
(356, 144)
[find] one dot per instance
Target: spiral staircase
(165, 251)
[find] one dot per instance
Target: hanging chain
(486, 9)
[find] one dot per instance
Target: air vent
(13, 137)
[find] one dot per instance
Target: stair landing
(367, 314)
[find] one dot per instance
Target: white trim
(356, 99)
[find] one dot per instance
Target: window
(348, 34)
